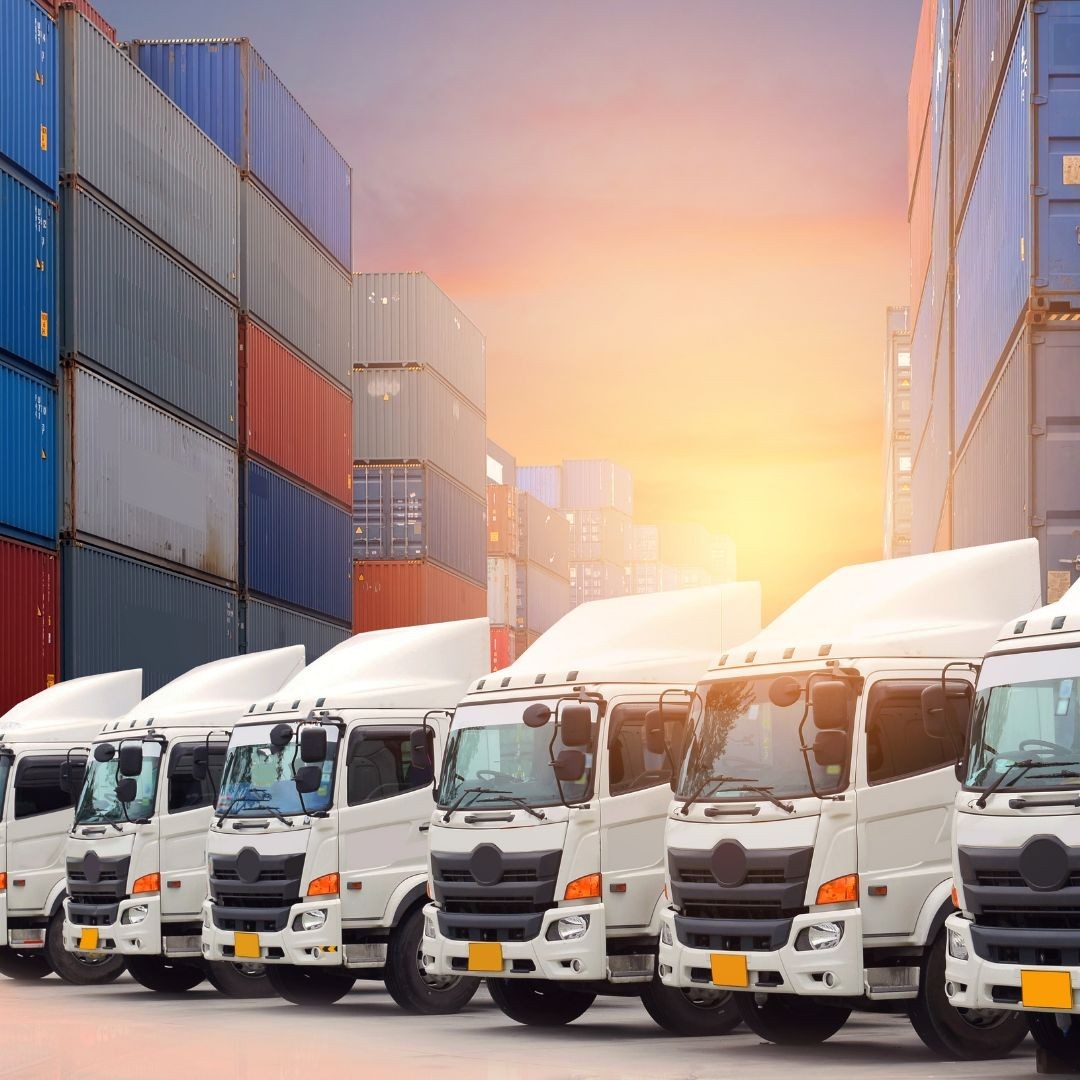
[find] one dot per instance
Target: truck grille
(253, 892)
(95, 886)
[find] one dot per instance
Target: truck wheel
(240, 980)
(1058, 1036)
(960, 1034)
(538, 1003)
(691, 1011)
(407, 982)
(24, 966)
(79, 969)
(309, 986)
(790, 1020)
(165, 976)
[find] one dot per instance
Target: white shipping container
(501, 590)
(542, 598)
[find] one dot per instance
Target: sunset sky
(679, 225)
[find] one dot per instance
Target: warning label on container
(1070, 169)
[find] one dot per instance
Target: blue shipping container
(27, 275)
(227, 88)
(28, 457)
(296, 546)
(267, 626)
(543, 482)
(29, 91)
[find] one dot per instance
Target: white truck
(43, 754)
(136, 856)
(546, 846)
(318, 853)
(1015, 942)
(808, 845)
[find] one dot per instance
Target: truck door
(906, 788)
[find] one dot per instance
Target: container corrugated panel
(28, 457)
(503, 647)
(410, 414)
(405, 318)
(646, 543)
(142, 479)
(414, 512)
(920, 86)
(135, 147)
(293, 416)
(131, 309)
(501, 465)
(118, 613)
(28, 268)
(269, 626)
(88, 11)
(994, 248)
(542, 597)
(501, 590)
(544, 535)
(652, 577)
(29, 89)
(296, 545)
(292, 287)
(939, 91)
(596, 581)
(941, 232)
(920, 234)
(503, 537)
(228, 89)
(389, 594)
(605, 535)
(29, 641)
(931, 459)
(543, 482)
(922, 364)
(592, 484)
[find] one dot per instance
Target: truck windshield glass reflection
(99, 803)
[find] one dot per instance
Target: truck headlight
(665, 934)
(429, 928)
(569, 928)
(957, 946)
(310, 920)
(135, 915)
(820, 936)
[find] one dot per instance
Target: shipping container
(646, 543)
(502, 586)
(501, 465)
(596, 581)
(389, 594)
(138, 477)
(606, 535)
(270, 626)
(597, 485)
(920, 87)
(652, 577)
(931, 460)
(293, 417)
(502, 520)
(28, 457)
(410, 414)
(543, 482)
(415, 512)
(544, 535)
(288, 284)
(503, 647)
(228, 89)
(685, 544)
(923, 348)
(29, 86)
(542, 597)
(136, 313)
(941, 241)
(920, 235)
(296, 545)
(84, 8)
(940, 89)
(723, 561)
(118, 612)
(29, 639)
(28, 267)
(126, 139)
(405, 319)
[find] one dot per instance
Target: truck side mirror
(946, 713)
(575, 725)
(655, 742)
(569, 766)
(200, 762)
(308, 778)
(536, 715)
(784, 691)
(129, 759)
(126, 789)
(104, 751)
(830, 748)
(72, 774)
(418, 746)
(830, 702)
(313, 744)
(281, 735)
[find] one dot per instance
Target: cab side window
(380, 764)
(897, 744)
(37, 786)
(186, 792)
(631, 765)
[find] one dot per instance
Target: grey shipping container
(117, 612)
(931, 462)
(131, 309)
(596, 581)
(544, 482)
(542, 597)
(646, 543)
(606, 535)
(596, 484)
(133, 145)
(502, 590)
(410, 414)
(287, 283)
(543, 535)
(406, 319)
(923, 346)
(138, 477)
(268, 626)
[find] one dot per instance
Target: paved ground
(50, 1031)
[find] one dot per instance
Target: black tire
(165, 976)
(309, 986)
(79, 969)
(960, 1034)
(24, 966)
(537, 1003)
(1058, 1036)
(240, 980)
(408, 984)
(691, 1011)
(790, 1020)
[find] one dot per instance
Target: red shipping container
(502, 520)
(920, 88)
(503, 647)
(391, 593)
(84, 8)
(292, 417)
(28, 621)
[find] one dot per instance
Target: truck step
(366, 955)
(632, 967)
(891, 983)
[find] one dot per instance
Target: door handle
(425, 826)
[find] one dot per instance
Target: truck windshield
(258, 778)
(1027, 710)
(5, 768)
(741, 734)
(98, 803)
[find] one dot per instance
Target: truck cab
(318, 850)
(546, 845)
(136, 854)
(43, 755)
(1015, 942)
(808, 849)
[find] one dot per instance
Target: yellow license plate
(1046, 990)
(88, 939)
(246, 946)
(729, 969)
(485, 956)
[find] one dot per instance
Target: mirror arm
(299, 793)
(689, 695)
(551, 762)
(827, 674)
(974, 668)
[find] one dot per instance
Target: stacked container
(678, 556)
(420, 449)
(896, 456)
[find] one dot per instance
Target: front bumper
(583, 959)
(301, 948)
(117, 936)
(835, 972)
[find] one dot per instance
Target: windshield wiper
(699, 791)
(517, 800)
(474, 792)
(766, 791)
(254, 799)
(1024, 766)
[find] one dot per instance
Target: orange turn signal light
(840, 890)
(148, 883)
(327, 885)
(955, 898)
(583, 888)
(3, 882)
